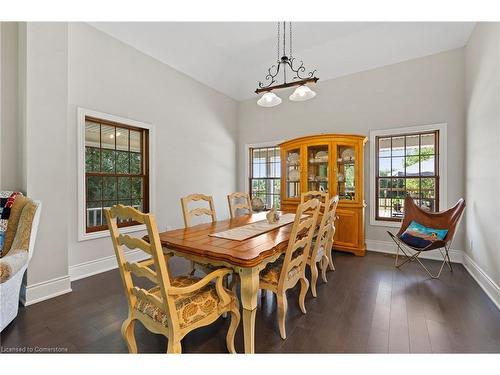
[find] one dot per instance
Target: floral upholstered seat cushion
(321, 251)
(190, 307)
(271, 274)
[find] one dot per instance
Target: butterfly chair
(174, 306)
(447, 220)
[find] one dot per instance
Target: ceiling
(232, 57)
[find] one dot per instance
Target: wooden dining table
(247, 257)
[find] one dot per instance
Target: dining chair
(322, 244)
(234, 206)
(289, 269)
(174, 306)
(322, 196)
(199, 211)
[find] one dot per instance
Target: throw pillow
(15, 214)
(7, 199)
(420, 236)
(22, 238)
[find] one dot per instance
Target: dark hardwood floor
(367, 306)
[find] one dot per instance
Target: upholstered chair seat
(190, 307)
(271, 274)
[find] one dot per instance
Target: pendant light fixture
(298, 76)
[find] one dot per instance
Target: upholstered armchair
(16, 257)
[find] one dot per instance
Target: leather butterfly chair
(439, 220)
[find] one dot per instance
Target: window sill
(105, 233)
(388, 224)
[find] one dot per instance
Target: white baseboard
(45, 290)
(390, 247)
(484, 281)
(93, 267)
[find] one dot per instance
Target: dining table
(246, 257)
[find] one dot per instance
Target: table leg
(249, 288)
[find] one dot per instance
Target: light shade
(269, 99)
(302, 93)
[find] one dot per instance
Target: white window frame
(81, 114)
(248, 146)
(443, 152)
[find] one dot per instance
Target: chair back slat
(200, 211)
(234, 206)
(300, 239)
(159, 276)
(140, 270)
(322, 196)
(134, 243)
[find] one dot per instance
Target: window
(114, 169)
(264, 175)
(406, 164)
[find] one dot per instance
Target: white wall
(10, 168)
(428, 90)
(483, 150)
(44, 51)
(195, 127)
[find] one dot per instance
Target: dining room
(208, 186)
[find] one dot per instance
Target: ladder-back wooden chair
(199, 211)
(289, 269)
(322, 244)
(234, 206)
(322, 196)
(173, 307)
(447, 220)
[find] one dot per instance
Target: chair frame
(322, 196)
(413, 212)
(324, 240)
(161, 278)
(233, 207)
(296, 242)
(188, 214)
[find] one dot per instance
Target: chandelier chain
(298, 73)
(278, 58)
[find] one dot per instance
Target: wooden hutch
(332, 163)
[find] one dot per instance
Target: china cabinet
(332, 163)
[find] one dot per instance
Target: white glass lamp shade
(301, 94)
(269, 99)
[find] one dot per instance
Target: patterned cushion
(271, 274)
(15, 215)
(190, 307)
(22, 238)
(321, 251)
(11, 264)
(420, 236)
(4, 272)
(7, 199)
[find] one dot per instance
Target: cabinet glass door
(317, 168)
(292, 173)
(346, 172)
